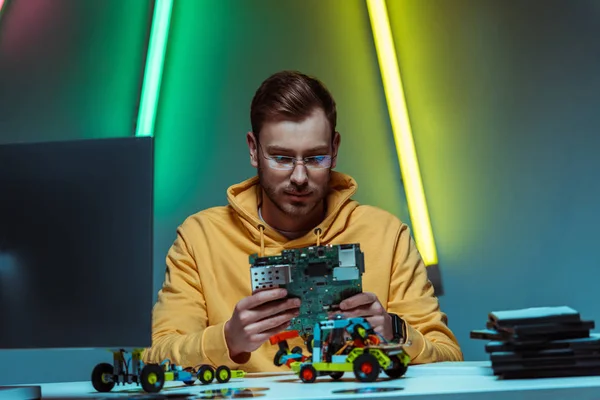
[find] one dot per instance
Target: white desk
(440, 381)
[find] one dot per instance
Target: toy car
(284, 355)
(345, 345)
(152, 377)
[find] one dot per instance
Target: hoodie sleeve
(412, 298)
(179, 319)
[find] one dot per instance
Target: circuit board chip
(321, 276)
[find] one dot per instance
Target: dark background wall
(502, 95)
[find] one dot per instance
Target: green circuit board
(321, 276)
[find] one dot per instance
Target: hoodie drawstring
(261, 228)
(318, 233)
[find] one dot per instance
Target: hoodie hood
(245, 198)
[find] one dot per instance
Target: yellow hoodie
(208, 272)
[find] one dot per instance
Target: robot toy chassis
(343, 345)
(152, 377)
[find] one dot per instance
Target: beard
(294, 209)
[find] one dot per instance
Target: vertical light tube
(155, 59)
(409, 166)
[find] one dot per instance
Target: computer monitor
(76, 237)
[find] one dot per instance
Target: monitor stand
(20, 392)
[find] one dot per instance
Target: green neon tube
(157, 49)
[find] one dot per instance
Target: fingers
(266, 325)
(377, 323)
(265, 335)
(261, 297)
(267, 310)
(358, 300)
(270, 309)
(364, 310)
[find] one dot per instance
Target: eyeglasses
(289, 163)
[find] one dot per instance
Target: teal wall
(502, 96)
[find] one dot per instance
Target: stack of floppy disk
(540, 342)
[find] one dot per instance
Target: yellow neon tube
(409, 165)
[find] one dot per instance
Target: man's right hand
(256, 318)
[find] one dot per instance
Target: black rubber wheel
(297, 350)
(277, 359)
(359, 332)
(152, 378)
(336, 376)
(206, 374)
(397, 369)
(191, 372)
(309, 343)
(98, 377)
(366, 368)
(308, 374)
(223, 374)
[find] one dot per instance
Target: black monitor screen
(76, 221)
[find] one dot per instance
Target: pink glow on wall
(24, 22)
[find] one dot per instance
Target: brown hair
(290, 95)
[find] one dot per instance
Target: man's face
(298, 191)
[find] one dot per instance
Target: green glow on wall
(217, 59)
(154, 67)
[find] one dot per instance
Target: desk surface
(468, 380)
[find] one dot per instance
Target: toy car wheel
(152, 378)
(206, 374)
(366, 368)
(359, 332)
(308, 374)
(297, 350)
(336, 376)
(309, 343)
(277, 359)
(99, 377)
(397, 369)
(223, 374)
(191, 372)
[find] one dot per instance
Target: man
(206, 312)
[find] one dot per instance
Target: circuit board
(321, 276)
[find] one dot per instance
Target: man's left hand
(368, 306)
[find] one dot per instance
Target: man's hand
(256, 318)
(368, 306)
